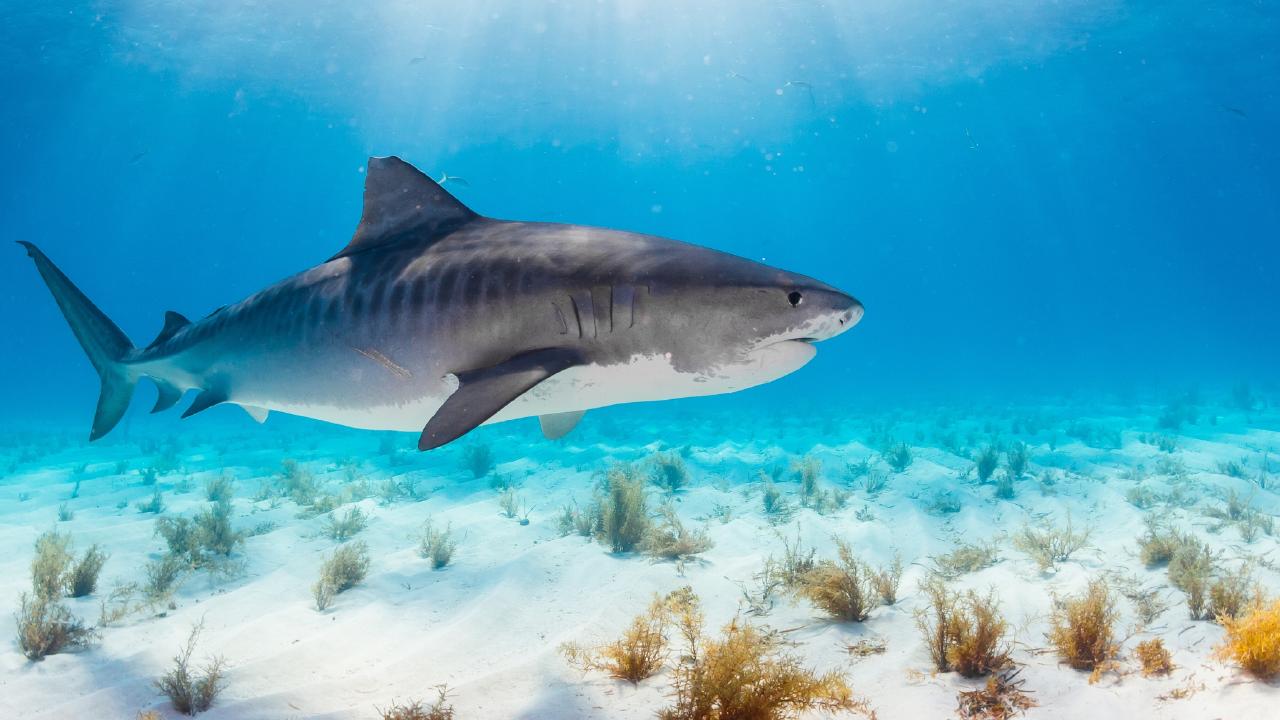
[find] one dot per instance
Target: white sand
(489, 624)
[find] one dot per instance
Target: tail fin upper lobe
(104, 343)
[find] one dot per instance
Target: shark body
(436, 319)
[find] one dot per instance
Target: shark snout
(851, 314)
(823, 312)
(834, 312)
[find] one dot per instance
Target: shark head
(814, 312)
(727, 317)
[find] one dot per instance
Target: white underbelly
(644, 378)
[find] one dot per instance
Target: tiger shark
(435, 319)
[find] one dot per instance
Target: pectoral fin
(483, 392)
(557, 425)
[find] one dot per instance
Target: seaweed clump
(842, 588)
(987, 462)
(154, 505)
(1016, 459)
(576, 521)
(415, 710)
(192, 692)
(345, 569)
(967, 558)
(1154, 657)
(344, 527)
(1002, 698)
(207, 539)
(46, 627)
(965, 633)
(83, 578)
(624, 512)
(513, 505)
(746, 673)
(671, 540)
(1231, 595)
(478, 459)
(1157, 546)
(437, 545)
(297, 483)
(1240, 512)
(886, 580)
(220, 488)
(669, 472)
(1253, 639)
(1211, 594)
(1050, 544)
(164, 575)
(50, 564)
(776, 506)
(639, 653)
(1191, 566)
(56, 572)
(899, 457)
(1083, 630)
(808, 470)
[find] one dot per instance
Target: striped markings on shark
(589, 313)
(436, 319)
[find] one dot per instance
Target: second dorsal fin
(173, 322)
(399, 199)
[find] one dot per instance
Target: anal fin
(557, 425)
(483, 392)
(167, 395)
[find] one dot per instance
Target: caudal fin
(104, 343)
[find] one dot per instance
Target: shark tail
(107, 347)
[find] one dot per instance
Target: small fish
(446, 178)
(1237, 111)
(137, 157)
(735, 75)
(416, 60)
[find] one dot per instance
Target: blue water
(1062, 217)
(1079, 197)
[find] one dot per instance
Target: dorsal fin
(173, 322)
(399, 199)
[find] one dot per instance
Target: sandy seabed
(489, 625)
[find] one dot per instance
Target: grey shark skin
(437, 319)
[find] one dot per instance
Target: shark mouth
(784, 356)
(784, 341)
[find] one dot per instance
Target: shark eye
(795, 298)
